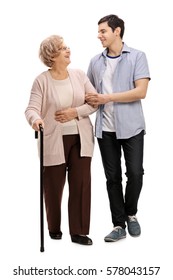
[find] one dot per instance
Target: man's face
(106, 35)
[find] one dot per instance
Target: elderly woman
(57, 102)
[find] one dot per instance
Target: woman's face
(64, 55)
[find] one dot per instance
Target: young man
(120, 74)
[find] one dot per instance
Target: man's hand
(66, 115)
(96, 99)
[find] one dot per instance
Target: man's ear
(117, 31)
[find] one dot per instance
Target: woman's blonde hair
(49, 49)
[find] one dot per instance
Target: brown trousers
(77, 169)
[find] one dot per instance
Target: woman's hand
(36, 124)
(66, 115)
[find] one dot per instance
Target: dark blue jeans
(122, 203)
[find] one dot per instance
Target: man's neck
(115, 49)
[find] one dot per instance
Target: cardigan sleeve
(85, 109)
(33, 110)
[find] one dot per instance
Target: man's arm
(139, 92)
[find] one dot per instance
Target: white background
(24, 24)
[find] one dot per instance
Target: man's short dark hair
(114, 22)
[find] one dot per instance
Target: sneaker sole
(134, 235)
(113, 240)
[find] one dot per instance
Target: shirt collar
(125, 49)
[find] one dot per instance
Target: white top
(108, 112)
(65, 93)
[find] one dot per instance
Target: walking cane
(41, 189)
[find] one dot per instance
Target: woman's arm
(84, 110)
(33, 110)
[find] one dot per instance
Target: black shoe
(57, 235)
(83, 240)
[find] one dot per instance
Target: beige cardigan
(44, 102)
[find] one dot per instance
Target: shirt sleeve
(141, 67)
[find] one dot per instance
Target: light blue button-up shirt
(128, 117)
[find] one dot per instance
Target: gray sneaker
(133, 226)
(117, 234)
